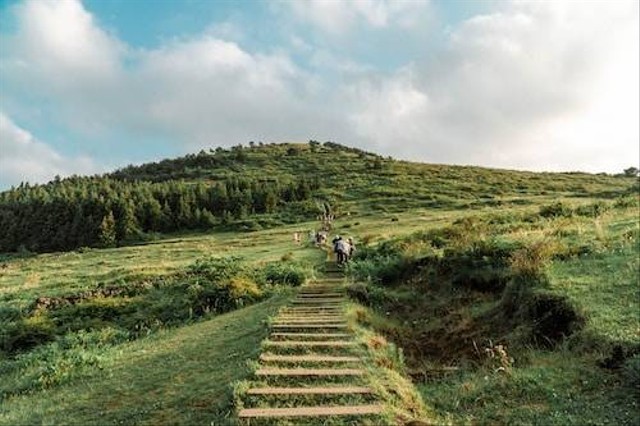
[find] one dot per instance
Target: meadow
(461, 269)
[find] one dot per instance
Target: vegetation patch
(481, 298)
(209, 286)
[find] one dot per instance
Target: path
(309, 366)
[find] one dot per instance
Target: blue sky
(88, 86)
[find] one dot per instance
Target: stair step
(309, 343)
(319, 299)
(308, 358)
(346, 410)
(300, 325)
(314, 295)
(309, 372)
(333, 390)
(310, 335)
(327, 309)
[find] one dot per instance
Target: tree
(631, 172)
(108, 230)
(270, 201)
(207, 220)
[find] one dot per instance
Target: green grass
(553, 388)
(22, 280)
(593, 264)
(180, 376)
(184, 375)
(606, 287)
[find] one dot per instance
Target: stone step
(309, 372)
(346, 410)
(308, 358)
(332, 390)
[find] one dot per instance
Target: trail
(309, 366)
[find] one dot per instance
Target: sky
(90, 86)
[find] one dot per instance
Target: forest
(105, 212)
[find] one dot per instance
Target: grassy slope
(180, 376)
(353, 180)
(56, 274)
(563, 386)
(183, 366)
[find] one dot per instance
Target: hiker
(341, 247)
(336, 250)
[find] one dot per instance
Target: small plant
(498, 357)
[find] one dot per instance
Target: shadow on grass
(181, 376)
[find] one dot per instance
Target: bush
(217, 268)
(554, 210)
(592, 210)
(283, 273)
(483, 265)
(25, 334)
(626, 202)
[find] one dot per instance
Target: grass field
(179, 376)
(96, 366)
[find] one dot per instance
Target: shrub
(23, 335)
(557, 209)
(626, 201)
(283, 273)
(217, 268)
(530, 261)
(592, 210)
(483, 265)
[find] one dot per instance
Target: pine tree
(108, 230)
(207, 220)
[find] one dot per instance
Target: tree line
(102, 211)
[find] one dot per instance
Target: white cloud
(537, 85)
(62, 40)
(339, 17)
(23, 158)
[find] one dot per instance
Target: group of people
(344, 249)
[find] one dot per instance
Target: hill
(512, 296)
(262, 186)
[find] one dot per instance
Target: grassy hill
(156, 329)
(353, 178)
(263, 186)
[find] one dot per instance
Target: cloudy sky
(88, 86)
